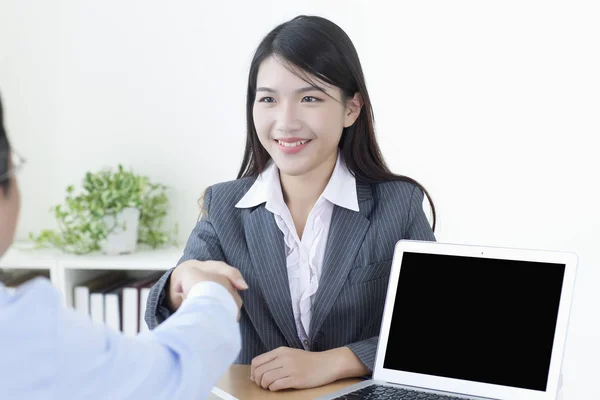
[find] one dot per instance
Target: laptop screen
(476, 319)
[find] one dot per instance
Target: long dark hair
(321, 48)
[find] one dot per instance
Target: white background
(493, 106)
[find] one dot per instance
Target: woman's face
(298, 124)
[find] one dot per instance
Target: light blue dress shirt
(48, 351)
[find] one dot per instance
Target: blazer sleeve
(203, 245)
(418, 228)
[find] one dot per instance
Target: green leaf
(81, 217)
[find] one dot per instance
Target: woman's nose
(288, 119)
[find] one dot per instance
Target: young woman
(312, 220)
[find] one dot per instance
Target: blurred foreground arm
(53, 352)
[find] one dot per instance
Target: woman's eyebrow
(266, 89)
(301, 90)
(310, 89)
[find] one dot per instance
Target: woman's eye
(310, 99)
(266, 100)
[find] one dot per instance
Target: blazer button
(306, 342)
(318, 337)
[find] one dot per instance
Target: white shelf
(147, 259)
(23, 256)
(68, 270)
(26, 259)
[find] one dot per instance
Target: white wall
(158, 88)
(493, 106)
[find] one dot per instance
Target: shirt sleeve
(67, 356)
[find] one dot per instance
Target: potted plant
(113, 212)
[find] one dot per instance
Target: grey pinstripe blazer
(348, 305)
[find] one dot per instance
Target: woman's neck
(302, 192)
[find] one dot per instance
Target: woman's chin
(293, 170)
(292, 166)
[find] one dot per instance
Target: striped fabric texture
(348, 306)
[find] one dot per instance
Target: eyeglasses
(15, 165)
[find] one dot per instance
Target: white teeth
(285, 144)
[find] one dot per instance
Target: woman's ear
(353, 107)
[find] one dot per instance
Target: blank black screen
(475, 319)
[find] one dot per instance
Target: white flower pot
(122, 241)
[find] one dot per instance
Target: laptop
(471, 322)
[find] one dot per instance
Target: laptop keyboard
(393, 393)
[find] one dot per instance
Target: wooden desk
(237, 383)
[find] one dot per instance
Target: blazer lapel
(267, 252)
(346, 233)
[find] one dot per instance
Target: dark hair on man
(4, 152)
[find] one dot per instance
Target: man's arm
(55, 352)
(181, 359)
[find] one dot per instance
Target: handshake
(190, 272)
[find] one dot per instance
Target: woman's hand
(286, 368)
(187, 274)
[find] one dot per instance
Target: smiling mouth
(292, 144)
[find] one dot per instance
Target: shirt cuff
(217, 292)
